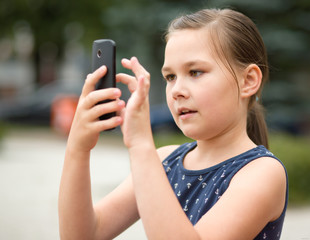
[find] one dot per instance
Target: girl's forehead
(188, 36)
(185, 44)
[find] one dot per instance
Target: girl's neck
(214, 151)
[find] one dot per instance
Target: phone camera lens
(99, 53)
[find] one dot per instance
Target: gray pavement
(30, 169)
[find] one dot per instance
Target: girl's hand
(86, 125)
(136, 125)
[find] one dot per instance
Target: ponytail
(256, 125)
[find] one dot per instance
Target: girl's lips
(185, 113)
(186, 116)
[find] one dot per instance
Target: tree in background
(51, 24)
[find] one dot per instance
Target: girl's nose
(179, 89)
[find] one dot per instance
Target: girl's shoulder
(264, 178)
(165, 151)
(175, 150)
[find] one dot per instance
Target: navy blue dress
(197, 191)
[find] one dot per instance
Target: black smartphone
(103, 53)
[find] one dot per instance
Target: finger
(128, 80)
(101, 95)
(143, 88)
(92, 79)
(121, 112)
(126, 63)
(105, 108)
(134, 65)
(108, 124)
(138, 69)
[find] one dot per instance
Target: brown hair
(237, 42)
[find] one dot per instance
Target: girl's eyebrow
(197, 62)
(188, 65)
(165, 69)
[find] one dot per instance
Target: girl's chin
(196, 133)
(190, 133)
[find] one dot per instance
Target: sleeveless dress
(198, 190)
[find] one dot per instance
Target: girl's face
(201, 93)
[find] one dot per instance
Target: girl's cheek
(168, 100)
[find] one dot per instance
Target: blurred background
(45, 52)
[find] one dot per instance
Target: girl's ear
(251, 81)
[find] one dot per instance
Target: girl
(225, 184)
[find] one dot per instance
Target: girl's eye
(170, 77)
(195, 73)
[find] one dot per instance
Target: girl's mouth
(186, 113)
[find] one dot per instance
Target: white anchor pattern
(197, 191)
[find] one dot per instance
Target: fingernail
(121, 103)
(103, 68)
(125, 60)
(117, 92)
(118, 120)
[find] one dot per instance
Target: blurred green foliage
(2, 131)
(293, 151)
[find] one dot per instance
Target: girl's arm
(78, 219)
(159, 209)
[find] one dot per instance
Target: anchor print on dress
(183, 177)
(264, 236)
(189, 145)
(204, 185)
(269, 153)
(217, 191)
(188, 185)
(185, 209)
(200, 178)
(213, 179)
